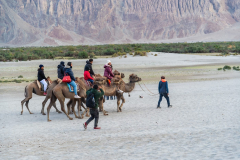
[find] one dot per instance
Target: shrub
(17, 81)
(220, 69)
(226, 67)
(69, 54)
(115, 55)
(92, 55)
(20, 76)
(236, 68)
(82, 54)
(125, 56)
(155, 55)
(109, 51)
(71, 48)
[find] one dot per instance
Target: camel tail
(25, 93)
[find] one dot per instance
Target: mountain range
(76, 22)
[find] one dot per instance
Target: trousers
(44, 84)
(167, 98)
(94, 115)
(73, 84)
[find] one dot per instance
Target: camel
(125, 87)
(61, 91)
(33, 88)
(49, 95)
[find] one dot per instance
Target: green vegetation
(86, 51)
(226, 67)
(15, 80)
(20, 76)
(236, 68)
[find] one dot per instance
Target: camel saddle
(40, 85)
(100, 80)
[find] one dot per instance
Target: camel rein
(151, 93)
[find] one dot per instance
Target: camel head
(78, 80)
(134, 78)
(49, 80)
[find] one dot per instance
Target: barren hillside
(61, 22)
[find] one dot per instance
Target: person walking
(68, 70)
(88, 67)
(94, 111)
(61, 70)
(42, 79)
(163, 91)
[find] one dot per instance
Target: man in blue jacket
(68, 70)
(163, 91)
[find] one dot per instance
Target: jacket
(41, 75)
(88, 67)
(60, 71)
(97, 95)
(108, 72)
(68, 70)
(163, 86)
(87, 75)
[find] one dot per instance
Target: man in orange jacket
(163, 91)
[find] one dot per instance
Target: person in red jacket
(88, 77)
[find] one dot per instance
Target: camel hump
(116, 72)
(98, 75)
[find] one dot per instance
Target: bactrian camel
(60, 92)
(33, 88)
(125, 87)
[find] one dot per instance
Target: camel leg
(123, 101)
(27, 107)
(55, 106)
(73, 109)
(43, 105)
(61, 100)
(105, 113)
(78, 107)
(80, 104)
(24, 101)
(69, 106)
(88, 112)
(53, 100)
(118, 102)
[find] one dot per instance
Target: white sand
(203, 123)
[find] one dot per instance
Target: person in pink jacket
(108, 71)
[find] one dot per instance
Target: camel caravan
(75, 89)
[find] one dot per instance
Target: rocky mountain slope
(60, 22)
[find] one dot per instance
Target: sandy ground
(203, 123)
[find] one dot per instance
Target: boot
(85, 125)
(158, 107)
(170, 106)
(97, 127)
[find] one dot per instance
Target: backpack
(90, 100)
